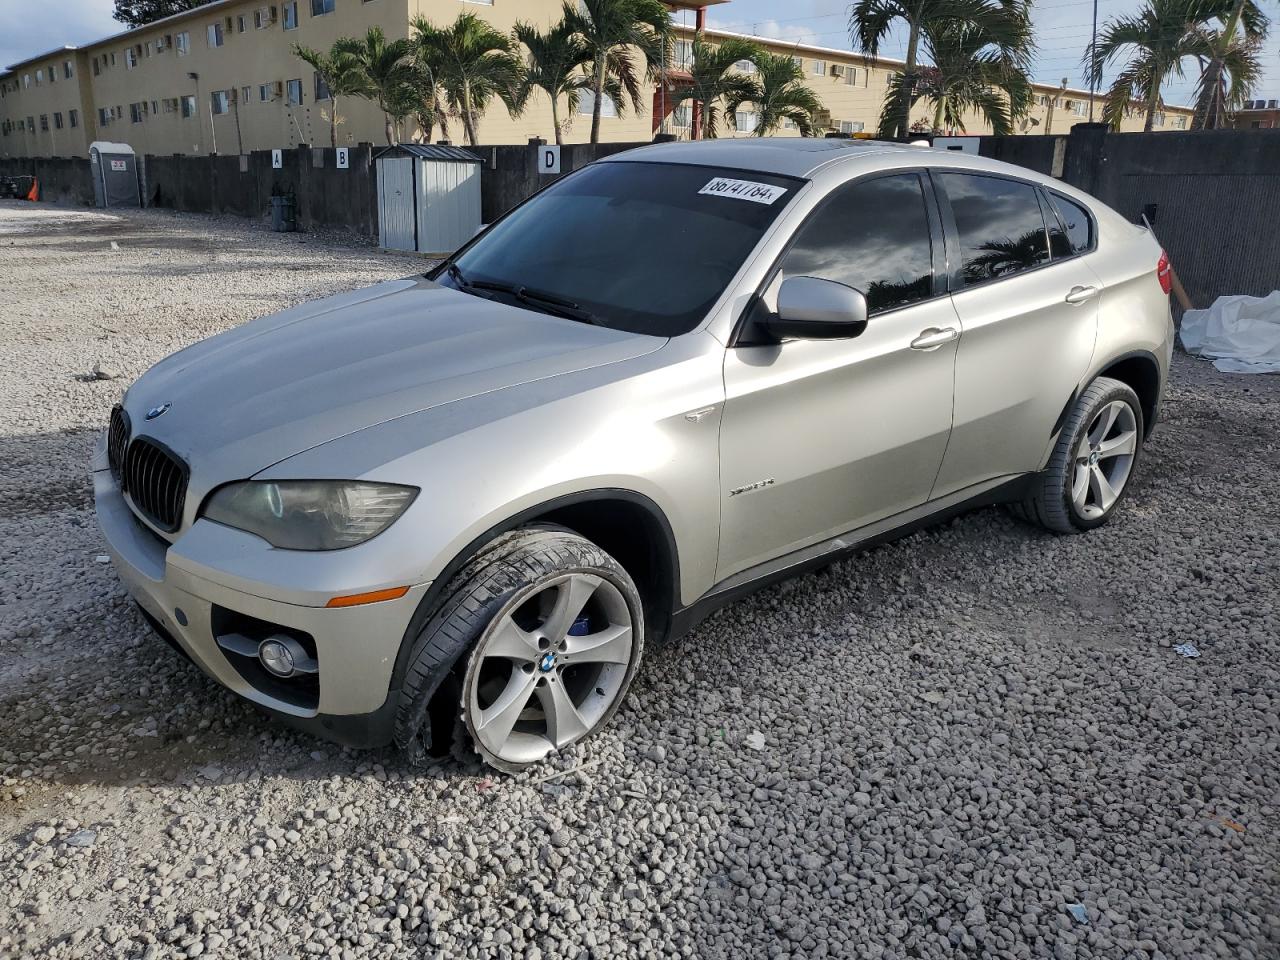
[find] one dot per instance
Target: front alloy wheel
(550, 668)
(1104, 458)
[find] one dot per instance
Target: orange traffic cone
(34, 194)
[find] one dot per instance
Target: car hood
(250, 397)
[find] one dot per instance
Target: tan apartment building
(222, 78)
(1257, 115)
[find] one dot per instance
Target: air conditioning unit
(228, 23)
(277, 89)
(837, 70)
(271, 10)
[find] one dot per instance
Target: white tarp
(1239, 334)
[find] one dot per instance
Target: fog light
(280, 655)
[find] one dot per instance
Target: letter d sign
(548, 160)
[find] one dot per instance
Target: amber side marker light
(375, 596)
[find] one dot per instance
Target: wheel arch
(609, 517)
(1140, 371)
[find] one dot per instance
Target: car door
(821, 436)
(1028, 326)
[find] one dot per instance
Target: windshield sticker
(764, 193)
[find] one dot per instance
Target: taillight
(1164, 272)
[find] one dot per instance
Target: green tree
(340, 72)
(137, 13)
(556, 65)
(718, 87)
(980, 67)
(472, 63)
(611, 30)
(1156, 40)
(1230, 68)
(871, 20)
(387, 73)
(781, 95)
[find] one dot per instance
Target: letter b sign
(548, 160)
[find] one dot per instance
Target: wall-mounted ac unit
(277, 89)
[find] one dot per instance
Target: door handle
(934, 337)
(1081, 294)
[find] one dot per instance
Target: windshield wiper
(547, 302)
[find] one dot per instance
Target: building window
(682, 116)
(135, 112)
(295, 93)
(214, 33)
(73, 118)
(240, 24)
(53, 75)
(1080, 108)
(320, 7)
(182, 42)
(587, 103)
(819, 68)
(39, 78)
(130, 59)
(744, 121)
(291, 15)
(264, 92)
(44, 122)
(745, 66)
(97, 69)
(852, 126)
(1180, 123)
(322, 88)
(219, 102)
(246, 94)
(155, 106)
(188, 106)
(148, 48)
(798, 61)
(112, 55)
(104, 116)
(682, 58)
(1159, 120)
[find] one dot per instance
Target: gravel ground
(938, 749)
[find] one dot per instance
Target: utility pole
(1093, 52)
(1048, 123)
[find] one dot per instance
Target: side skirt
(856, 541)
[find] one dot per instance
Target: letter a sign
(548, 160)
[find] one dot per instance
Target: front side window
(872, 235)
(608, 241)
(1001, 228)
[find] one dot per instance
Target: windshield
(642, 247)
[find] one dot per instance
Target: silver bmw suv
(454, 508)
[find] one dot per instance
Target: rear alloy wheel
(551, 668)
(1092, 461)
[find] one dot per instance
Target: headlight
(310, 514)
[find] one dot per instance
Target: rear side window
(872, 235)
(1079, 227)
(1001, 227)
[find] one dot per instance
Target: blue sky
(1062, 28)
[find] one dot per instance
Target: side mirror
(814, 309)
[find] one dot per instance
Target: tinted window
(1079, 225)
(873, 236)
(645, 247)
(1001, 228)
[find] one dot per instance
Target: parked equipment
(428, 197)
(115, 174)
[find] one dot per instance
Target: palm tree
(781, 94)
(386, 70)
(718, 89)
(611, 28)
(472, 63)
(428, 109)
(871, 20)
(341, 74)
(978, 67)
(556, 66)
(1157, 39)
(1229, 64)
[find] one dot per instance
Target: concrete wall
(243, 185)
(63, 180)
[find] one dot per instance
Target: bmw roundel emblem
(157, 411)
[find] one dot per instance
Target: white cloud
(38, 28)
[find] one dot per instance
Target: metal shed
(115, 174)
(428, 197)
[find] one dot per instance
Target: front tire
(545, 631)
(1092, 462)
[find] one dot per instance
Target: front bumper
(355, 647)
